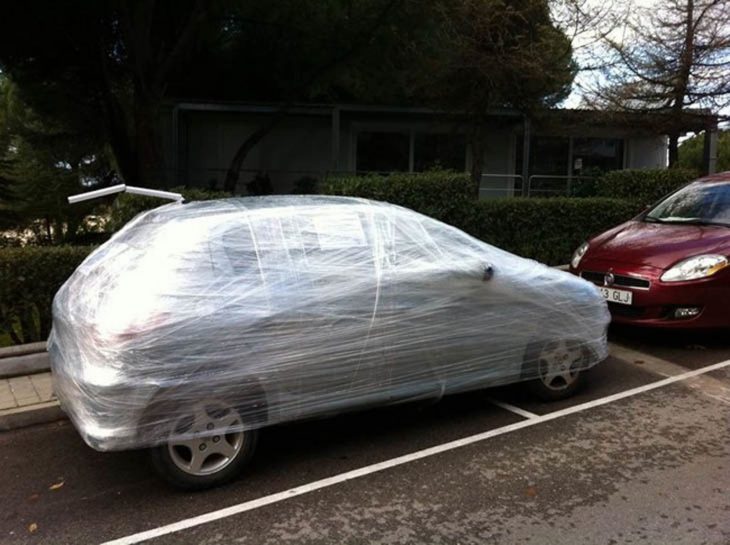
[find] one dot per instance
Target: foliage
(107, 67)
(437, 193)
(41, 163)
(260, 185)
(691, 152)
(643, 186)
(126, 205)
(306, 185)
(29, 278)
(493, 53)
(544, 229)
(547, 230)
(672, 56)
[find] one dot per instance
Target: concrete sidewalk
(27, 400)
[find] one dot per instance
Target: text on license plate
(622, 297)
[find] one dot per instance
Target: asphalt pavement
(652, 467)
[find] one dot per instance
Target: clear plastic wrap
(291, 307)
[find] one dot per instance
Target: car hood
(658, 245)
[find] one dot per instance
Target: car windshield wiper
(705, 222)
(684, 221)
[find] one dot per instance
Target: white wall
(499, 158)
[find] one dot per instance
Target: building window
(604, 154)
(549, 155)
(439, 151)
(382, 152)
(403, 152)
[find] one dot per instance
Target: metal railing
(549, 185)
(492, 185)
(500, 185)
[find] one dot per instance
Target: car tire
(209, 446)
(559, 366)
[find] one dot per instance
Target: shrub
(29, 278)
(435, 193)
(643, 186)
(127, 205)
(547, 230)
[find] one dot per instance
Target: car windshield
(703, 203)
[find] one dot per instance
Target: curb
(27, 364)
(25, 359)
(22, 417)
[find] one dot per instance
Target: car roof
(270, 205)
(717, 177)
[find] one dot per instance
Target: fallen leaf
(531, 491)
(32, 527)
(639, 362)
(33, 497)
(56, 486)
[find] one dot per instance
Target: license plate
(622, 297)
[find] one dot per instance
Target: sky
(582, 49)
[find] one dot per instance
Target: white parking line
(400, 460)
(512, 408)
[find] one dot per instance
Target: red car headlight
(694, 268)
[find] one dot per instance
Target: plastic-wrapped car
(199, 323)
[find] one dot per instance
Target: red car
(670, 266)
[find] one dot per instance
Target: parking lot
(642, 455)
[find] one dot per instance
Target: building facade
(521, 156)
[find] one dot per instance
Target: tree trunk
(686, 62)
(478, 147)
(150, 170)
(673, 149)
(234, 169)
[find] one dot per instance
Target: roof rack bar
(120, 188)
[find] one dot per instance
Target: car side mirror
(488, 272)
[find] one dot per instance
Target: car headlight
(693, 268)
(578, 255)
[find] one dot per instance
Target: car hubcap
(560, 364)
(206, 438)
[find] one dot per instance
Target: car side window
(232, 251)
(406, 243)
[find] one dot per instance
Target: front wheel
(557, 369)
(207, 446)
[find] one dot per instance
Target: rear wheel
(207, 446)
(557, 369)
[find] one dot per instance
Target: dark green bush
(127, 205)
(29, 278)
(547, 230)
(643, 186)
(434, 192)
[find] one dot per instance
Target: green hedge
(643, 186)
(127, 205)
(547, 230)
(426, 191)
(29, 278)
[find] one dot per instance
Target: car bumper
(656, 305)
(106, 416)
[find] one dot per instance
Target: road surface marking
(707, 386)
(512, 408)
(400, 460)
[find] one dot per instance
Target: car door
(321, 345)
(445, 311)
